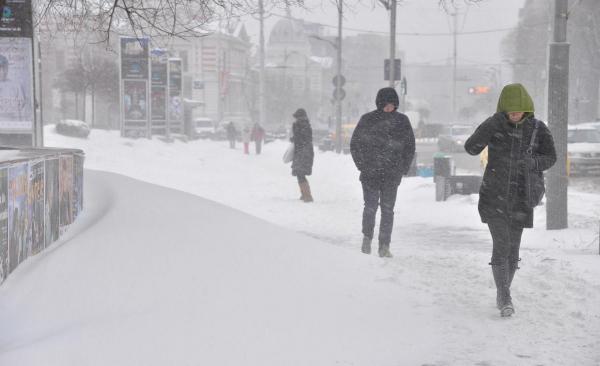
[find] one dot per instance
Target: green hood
(514, 98)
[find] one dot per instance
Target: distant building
(217, 72)
(295, 75)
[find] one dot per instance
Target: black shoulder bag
(534, 179)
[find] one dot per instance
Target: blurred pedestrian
(231, 134)
(246, 137)
(258, 136)
(502, 204)
(303, 152)
(382, 147)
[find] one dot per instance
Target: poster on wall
(65, 189)
(51, 209)
(175, 102)
(19, 229)
(3, 224)
(134, 100)
(16, 85)
(36, 205)
(77, 185)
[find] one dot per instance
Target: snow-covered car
(73, 127)
(204, 127)
(584, 150)
(452, 138)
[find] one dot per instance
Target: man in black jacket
(383, 147)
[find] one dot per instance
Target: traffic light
(338, 93)
(479, 90)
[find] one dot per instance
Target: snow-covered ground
(153, 276)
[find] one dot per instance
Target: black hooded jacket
(383, 144)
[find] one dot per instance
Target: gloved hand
(529, 163)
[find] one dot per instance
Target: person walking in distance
(508, 135)
(246, 137)
(383, 148)
(231, 134)
(303, 153)
(258, 136)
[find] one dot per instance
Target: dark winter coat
(502, 193)
(231, 131)
(303, 147)
(383, 144)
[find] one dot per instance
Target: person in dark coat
(507, 135)
(382, 147)
(231, 134)
(303, 153)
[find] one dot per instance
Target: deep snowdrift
(152, 276)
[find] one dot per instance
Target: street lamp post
(338, 94)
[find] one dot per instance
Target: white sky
(419, 16)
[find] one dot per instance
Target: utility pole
(393, 42)
(261, 81)
(338, 97)
(558, 102)
(454, 57)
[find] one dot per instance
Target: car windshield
(576, 136)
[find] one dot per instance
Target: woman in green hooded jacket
(507, 135)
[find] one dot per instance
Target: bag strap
(533, 135)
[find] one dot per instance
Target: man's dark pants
(379, 192)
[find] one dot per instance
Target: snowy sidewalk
(441, 249)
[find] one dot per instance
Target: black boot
(512, 269)
(501, 278)
(366, 245)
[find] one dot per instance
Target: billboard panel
(77, 185)
(19, 229)
(134, 58)
(16, 19)
(175, 102)
(36, 205)
(65, 189)
(52, 211)
(135, 106)
(3, 224)
(16, 85)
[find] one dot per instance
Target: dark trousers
(507, 241)
(375, 194)
(258, 146)
(232, 143)
(301, 178)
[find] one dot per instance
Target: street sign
(342, 80)
(340, 92)
(386, 69)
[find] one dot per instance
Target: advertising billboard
(134, 85)
(16, 85)
(175, 101)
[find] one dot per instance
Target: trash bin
(442, 166)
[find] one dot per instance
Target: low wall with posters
(41, 194)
